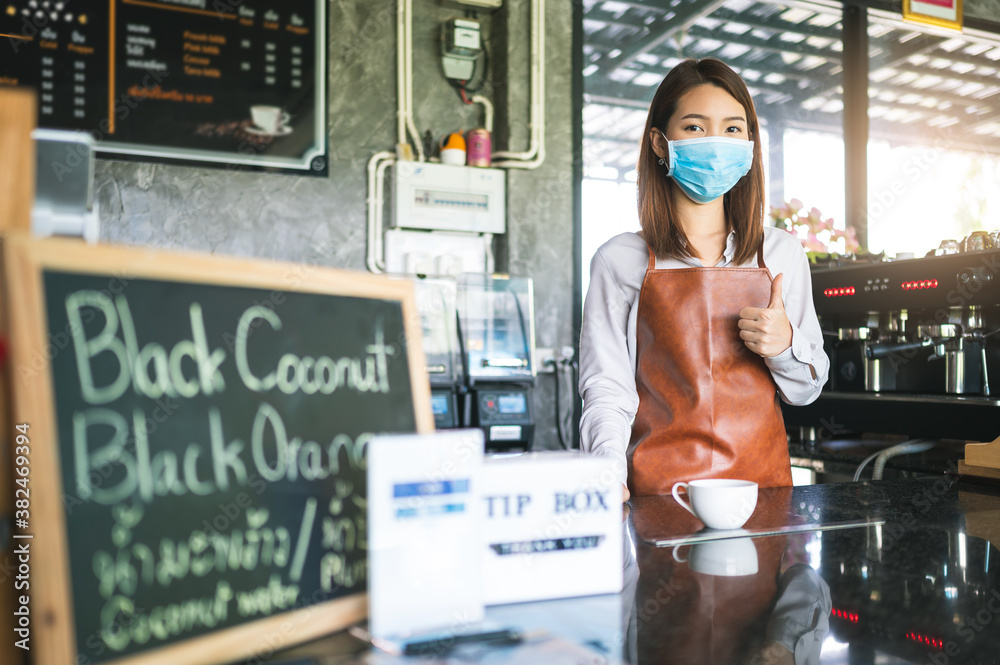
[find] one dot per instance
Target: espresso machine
(497, 338)
(912, 347)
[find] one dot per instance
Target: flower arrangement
(818, 236)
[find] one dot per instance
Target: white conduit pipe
(534, 65)
(488, 111)
(400, 73)
(404, 77)
(377, 165)
(535, 155)
(409, 82)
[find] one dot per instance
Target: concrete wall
(323, 220)
(987, 10)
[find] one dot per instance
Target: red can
(478, 148)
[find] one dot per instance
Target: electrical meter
(460, 47)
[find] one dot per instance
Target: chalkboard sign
(198, 431)
(238, 82)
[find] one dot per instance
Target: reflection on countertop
(917, 585)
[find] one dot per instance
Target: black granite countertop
(890, 572)
(920, 583)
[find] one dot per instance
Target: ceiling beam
(608, 138)
(894, 53)
(942, 95)
(604, 100)
(663, 30)
(626, 90)
(795, 93)
(629, 95)
(599, 15)
(778, 25)
(778, 66)
(609, 19)
(925, 70)
(658, 5)
(769, 65)
(773, 45)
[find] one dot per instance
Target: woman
(693, 326)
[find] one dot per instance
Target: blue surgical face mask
(706, 168)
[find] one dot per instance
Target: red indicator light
(839, 291)
(846, 616)
(926, 641)
(920, 284)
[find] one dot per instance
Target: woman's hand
(766, 330)
(625, 493)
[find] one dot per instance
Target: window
(933, 153)
(934, 136)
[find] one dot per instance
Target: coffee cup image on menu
(270, 120)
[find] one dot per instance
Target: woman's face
(708, 110)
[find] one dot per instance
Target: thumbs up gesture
(766, 330)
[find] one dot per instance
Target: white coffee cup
(269, 118)
(720, 503)
(730, 557)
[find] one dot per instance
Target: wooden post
(9, 653)
(17, 193)
(17, 167)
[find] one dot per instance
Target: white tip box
(553, 527)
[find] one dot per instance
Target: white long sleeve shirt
(608, 346)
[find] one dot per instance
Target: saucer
(260, 131)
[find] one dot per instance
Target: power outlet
(543, 360)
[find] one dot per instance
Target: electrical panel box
(439, 197)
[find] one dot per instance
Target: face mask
(708, 167)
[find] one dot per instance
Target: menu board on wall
(229, 82)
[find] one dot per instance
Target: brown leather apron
(708, 406)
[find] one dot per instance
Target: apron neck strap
(760, 257)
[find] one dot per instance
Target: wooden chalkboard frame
(23, 261)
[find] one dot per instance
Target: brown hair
(744, 203)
